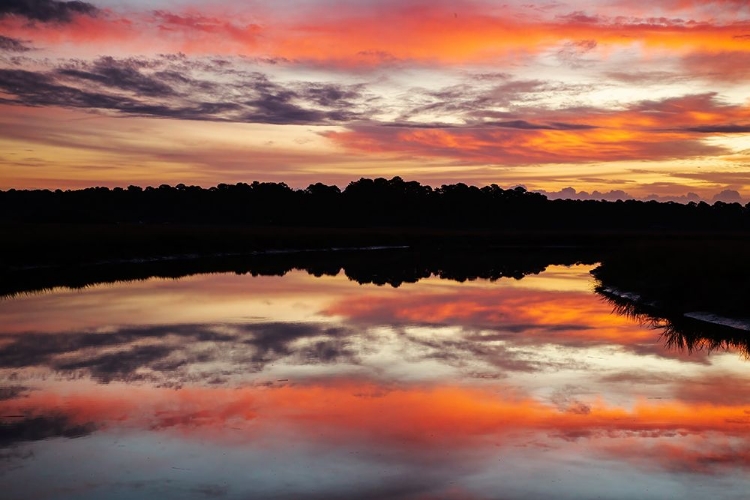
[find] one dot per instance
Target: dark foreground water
(240, 387)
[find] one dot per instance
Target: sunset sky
(627, 98)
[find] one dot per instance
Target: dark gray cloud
(12, 392)
(328, 352)
(37, 428)
(272, 341)
(39, 89)
(278, 108)
(331, 95)
(491, 76)
(8, 44)
(418, 125)
(123, 75)
(123, 364)
(580, 17)
(165, 354)
(571, 126)
(524, 125)
(403, 486)
(491, 99)
(510, 330)
(462, 353)
(573, 435)
(211, 490)
(721, 129)
(39, 349)
(170, 87)
(639, 377)
(645, 77)
(47, 10)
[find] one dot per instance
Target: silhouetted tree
(376, 202)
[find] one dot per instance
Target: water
(233, 386)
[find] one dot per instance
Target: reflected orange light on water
(574, 313)
(414, 418)
(462, 387)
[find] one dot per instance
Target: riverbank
(682, 271)
(69, 244)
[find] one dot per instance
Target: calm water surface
(239, 387)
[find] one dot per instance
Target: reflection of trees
(681, 276)
(678, 331)
(667, 280)
(409, 267)
(381, 267)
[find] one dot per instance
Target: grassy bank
(683, 276)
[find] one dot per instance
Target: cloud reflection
(18, 429)
(432, 390)
(411, 420)
(171, 353)
(521, 316)
(471, 330)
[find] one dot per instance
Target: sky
(604, 98)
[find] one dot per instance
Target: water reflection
(378, 265)
(231, 386)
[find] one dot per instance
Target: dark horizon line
(396, 179)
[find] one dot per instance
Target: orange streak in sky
(521, 147)
(655, 130)
(356, 36)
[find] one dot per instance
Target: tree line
(363, 203)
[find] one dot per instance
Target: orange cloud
(649, 130)
(522, 147)
(355, 35)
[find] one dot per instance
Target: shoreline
(36, 244)
(383, 265)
